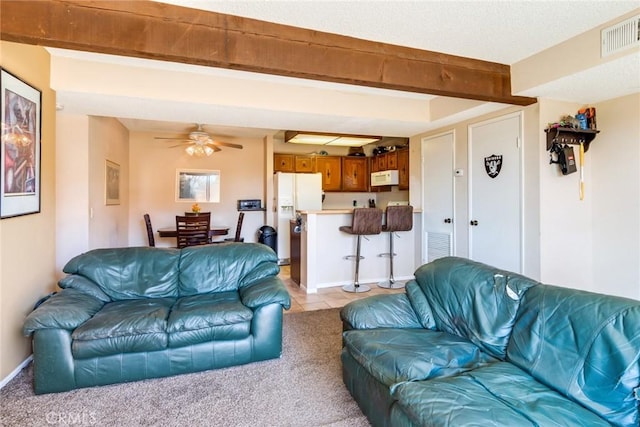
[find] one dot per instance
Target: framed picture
(112, 183)
(20, 114)
(197, 185)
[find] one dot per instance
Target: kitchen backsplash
(345, 200)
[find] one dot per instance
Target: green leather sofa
(128, 314)
(471, 345)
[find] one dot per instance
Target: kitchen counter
(323, 248)
(340, 211)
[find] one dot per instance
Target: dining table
(214, 230)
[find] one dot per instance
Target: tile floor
(326, 297)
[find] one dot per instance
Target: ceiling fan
(199, 143)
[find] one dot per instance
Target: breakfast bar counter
(323, 248)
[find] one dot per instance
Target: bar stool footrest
(356, 289)
(387, 284)
(350, 257)
(386, 255)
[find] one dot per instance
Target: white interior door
(495, 191)
(438, 196)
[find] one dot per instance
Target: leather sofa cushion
(496, 395)
(84, 285)
(208, 317)
(130, 273)
(222, 268)
(124, 327)
(473, 300)
(585, 345)
(394, 355)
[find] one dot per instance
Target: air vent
(438, 245)
(621, 36)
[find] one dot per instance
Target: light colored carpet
(302, 388)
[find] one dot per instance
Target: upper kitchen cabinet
(403, 169)
(392, 160)
(293, 163)
(303, 164)
(331, 169)
(381, 162)
(283, 163)
(355, 174)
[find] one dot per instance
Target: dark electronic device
(564, 157)
(250, 205)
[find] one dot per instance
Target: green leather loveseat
(471, 345)
(128, 314)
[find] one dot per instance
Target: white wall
(615, 189)
(72, 187)
(566, 221)
(108, 225)
(83, 220)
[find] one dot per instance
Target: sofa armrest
(269, 290)
(380, 311)
(67, 309)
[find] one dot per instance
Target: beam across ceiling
(152, 30)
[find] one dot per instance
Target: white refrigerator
(294, 192)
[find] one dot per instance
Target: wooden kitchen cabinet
(355, 174)
(373, 164)
(392, 160)
(283, 162)
(381, 161)
(331, 169)
(403, 169)
(303, 164)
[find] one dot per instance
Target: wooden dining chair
(237, 237)
(147, 222)
(196, 213)
(192, 230)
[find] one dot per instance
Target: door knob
(473, 222)
(447, 220)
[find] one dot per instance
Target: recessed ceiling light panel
(316, 138)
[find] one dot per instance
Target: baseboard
(16, 371)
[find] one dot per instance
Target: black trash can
(269, 236)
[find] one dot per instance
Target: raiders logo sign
(493, 165)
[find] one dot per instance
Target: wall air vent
(438, 245)
(620, 36)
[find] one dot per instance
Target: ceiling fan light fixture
(199, 150)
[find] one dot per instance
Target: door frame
(521, 175)
(423, 142)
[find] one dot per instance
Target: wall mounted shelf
(571, 136)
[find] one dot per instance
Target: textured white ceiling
(504, 31)
(499, 31)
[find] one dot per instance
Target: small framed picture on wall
(112, 183)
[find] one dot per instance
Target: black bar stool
(398, 218)
(365, 221)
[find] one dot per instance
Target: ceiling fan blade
(216, 149)
(182, 144)
(225, 144)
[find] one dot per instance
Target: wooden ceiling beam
(152, 30)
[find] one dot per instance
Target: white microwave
(384, 178)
